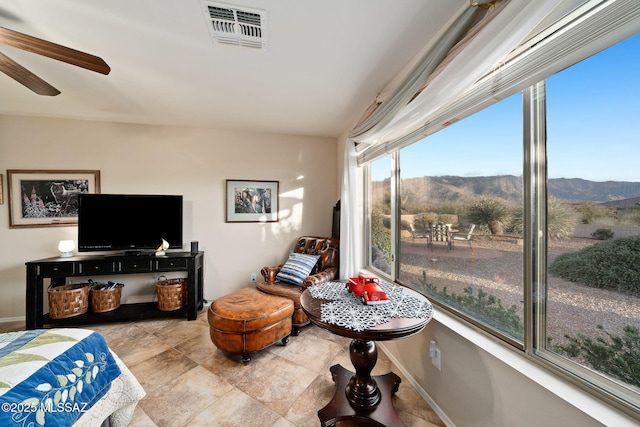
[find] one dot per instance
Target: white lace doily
(346, 310)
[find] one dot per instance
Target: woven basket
(172, 294)
(68, 300)
(103, 300)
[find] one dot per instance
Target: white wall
(194, 162)
(487, 385)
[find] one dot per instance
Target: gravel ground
(496, 267)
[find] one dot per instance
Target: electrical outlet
(434, 353)
(437, 359)
(254, 277)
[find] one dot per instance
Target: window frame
(621, 397)
(534, 258)
(394, 209)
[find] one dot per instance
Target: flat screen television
(134, 223)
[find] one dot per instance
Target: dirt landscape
(495, 265)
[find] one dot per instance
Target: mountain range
(509, 187)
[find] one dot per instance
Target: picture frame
(252, 201)
(47, 198)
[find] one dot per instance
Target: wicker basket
(172, 294)
(68, 300)
(103, 300)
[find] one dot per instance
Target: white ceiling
(325, 61)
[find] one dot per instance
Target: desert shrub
(591, 213)
(448, 218)
(619, 357)
(409, 208)
(490, 212)
(483, 306)
(602, 234)
(612, 265)
(629, 216)
(422, 220)
(452, 208)
(561, 220)
(380, 235)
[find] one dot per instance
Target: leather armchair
(327, 270)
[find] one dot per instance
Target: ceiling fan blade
(53, 50)
(20, 74)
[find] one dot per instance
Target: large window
(593, 248)
(468, 178)
(542, 234)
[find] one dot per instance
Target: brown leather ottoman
(248, 320)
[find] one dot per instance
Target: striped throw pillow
(297, 268)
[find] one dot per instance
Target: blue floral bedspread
(52, 377)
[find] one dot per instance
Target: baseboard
(417, 386)
(12, 319)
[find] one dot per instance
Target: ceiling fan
(48, 49)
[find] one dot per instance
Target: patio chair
(440, 233)
(419, 232)
(467, 236)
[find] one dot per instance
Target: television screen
(128, 222)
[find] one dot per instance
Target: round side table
(360, 396)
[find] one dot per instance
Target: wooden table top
(393, 329)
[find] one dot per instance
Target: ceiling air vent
(236, 26)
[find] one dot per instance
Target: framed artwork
(48, 198)
(252, 201)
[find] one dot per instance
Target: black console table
(57, 269)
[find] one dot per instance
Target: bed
(64, 377)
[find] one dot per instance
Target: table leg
(362, 390)
(359, 396)
(35, 295)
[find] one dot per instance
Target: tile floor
(189, 382)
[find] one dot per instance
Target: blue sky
(593, 111)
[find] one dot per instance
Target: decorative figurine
(163, 247)
(367, 288)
